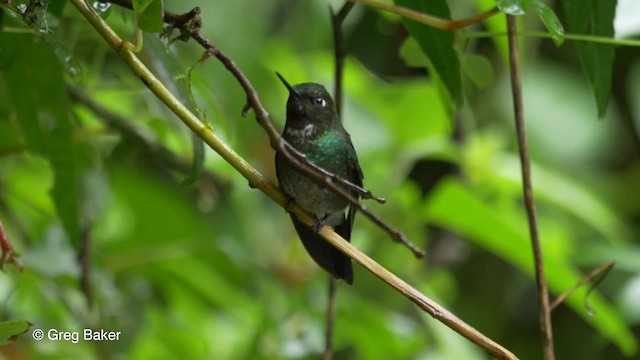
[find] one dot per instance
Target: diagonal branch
(295, 157)
(124, 50)
(518, 107)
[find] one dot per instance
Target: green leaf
(165, 67)
(412, 54)
(478, 68)
(546, 14)
(550, 21)
(9, 137)
(41, 107)
(437, 44)
(513, 7)
(504, 234)
(570, 195)
(56, 8)
(149, 14)
(594, 17)
(11, 329)
(66, 59)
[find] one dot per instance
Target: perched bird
(314, 128)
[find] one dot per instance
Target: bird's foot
(289, 204)
(319, 224)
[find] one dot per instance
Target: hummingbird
(313, 127)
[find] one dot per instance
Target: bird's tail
(324, 254)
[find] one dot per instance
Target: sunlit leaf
(495, 24)
(456, 207)
(570, 195)
(626, 257)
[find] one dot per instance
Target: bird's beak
(292, 91)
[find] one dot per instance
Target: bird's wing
(355, 176)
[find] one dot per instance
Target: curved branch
(600, 271)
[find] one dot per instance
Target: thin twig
(602, 269)
(329, 176)
(567, 36)
(123, 49)
(427, 19)
(518, 107)
(340, 51)
(291, 154)
(331, 316)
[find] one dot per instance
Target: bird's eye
(320, 102)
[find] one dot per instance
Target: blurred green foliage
(213, 269)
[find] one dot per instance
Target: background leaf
(437, 44)
(595, 18)
(11, 329)
(42, 108)
(507, 236)
(149, 14)
(479, 70)
(550, 21)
